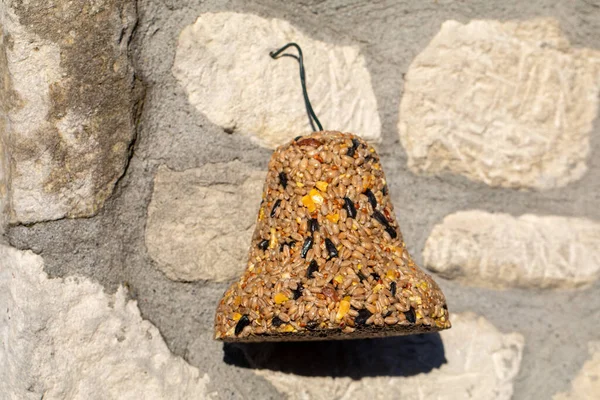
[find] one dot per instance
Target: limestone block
(482, 363)
(67, 339)
(200, 221)
(223, 64)
(500, 251)
(509, 104)
(69, 98)
(586, 385)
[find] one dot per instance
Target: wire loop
(312, 117)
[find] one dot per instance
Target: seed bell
(327, 260)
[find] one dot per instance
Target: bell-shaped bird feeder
(327, 259)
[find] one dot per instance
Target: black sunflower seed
(312, 268)
(349, 206)
(313, 225)
(298, 291)
(297, 138)
(362, 317)
(263, 244)
(384, 190)
(283, 180)
(312, 325)
(379, 217)
(306, 246)
(370, 158)
(375, 276)
(445, 307)
(331, 248)
(371, 198)
(275, 206)
(391, 231)
(276, 321)
(393, 288)
(352, 150)
(410, 315)
(361, 276)
(242, 323)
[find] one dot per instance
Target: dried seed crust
(351, 277)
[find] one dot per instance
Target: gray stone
(68, 339)
(223, 63)
(200, 220)
(482, 363)
(499, 250)
(509, 104)
(69, 100)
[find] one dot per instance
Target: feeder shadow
(393, 356)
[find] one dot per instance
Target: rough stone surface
(200, 221)
(499, 250)
(482, 363)
(68, 339)
(223, 63)
(69, 99)
(508, 104)
(110, 247)
(586, 385)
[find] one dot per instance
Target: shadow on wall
(394, 356)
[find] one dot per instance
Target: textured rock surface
(586, 385)
(508, 104)
(68, 339)
(223, 63)
(481, 363)
(200, 221)
(68, 99)
(498, 250)
(110, 247)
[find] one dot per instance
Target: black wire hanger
(312, 117)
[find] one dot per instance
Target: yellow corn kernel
(354, 226)
(322, 186)
(391, 274)
(251, 266)
(309, 203)
(416, 299)
(333, 217)
(287, 328)
(261, 214)
(377, 288)
(237, 300)
(419, 315)
(359, 267)
(423, 285)
(316, 196)
(237, 316)
(339, 279)
(300, 184)
(280, 298)
(344, 308)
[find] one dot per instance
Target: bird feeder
(327, 259)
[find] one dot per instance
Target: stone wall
(135, 136)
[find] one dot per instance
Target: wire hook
(312, 117)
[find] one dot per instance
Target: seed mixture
(327, 260)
